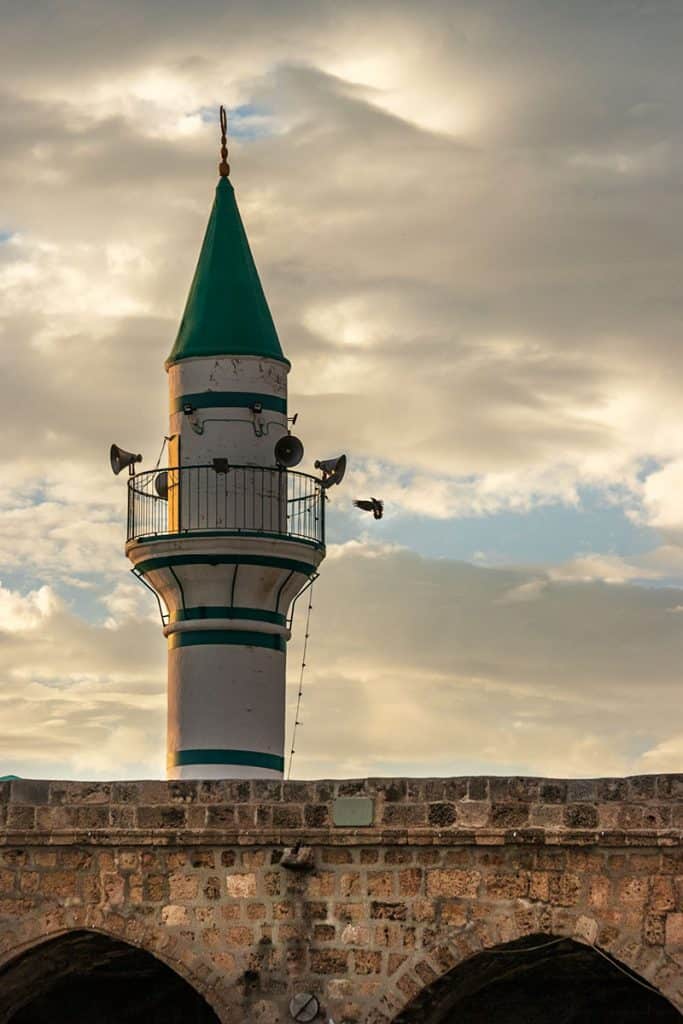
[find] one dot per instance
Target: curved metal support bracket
(164, 615)
(306, 586)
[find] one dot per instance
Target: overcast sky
(467, 217)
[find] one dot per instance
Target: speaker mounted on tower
(120, 458)
(332, 470)
(289, 451)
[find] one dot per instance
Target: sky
(467, 220)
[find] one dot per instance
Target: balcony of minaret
(220, 499)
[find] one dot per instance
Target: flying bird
(374, 505)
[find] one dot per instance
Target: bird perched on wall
(373, 505)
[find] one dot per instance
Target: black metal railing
(220, 497)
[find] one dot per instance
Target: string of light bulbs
(301, 680)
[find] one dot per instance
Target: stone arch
(449, 949)
(173, 952)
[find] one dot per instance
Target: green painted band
(251, 758)
(227, 612)
(288, 537)
(229, 400)
(164, 562)
(226, 637)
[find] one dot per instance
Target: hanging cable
(301, 680)
(163, 446)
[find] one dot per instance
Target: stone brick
(212, 888)
(405, 815)
(349, 884)
(410, 881)
(355, 935)
(654, 928)
(114, 888)
(396, 960)
(508, 887)
(329, 961)
(287, 816)
(454, 913)
(546, 815)
(634, 890)
(509, 815)
(239, 935)
(154, 888)
(565, 890)
(202, 858)
(388, 911)
(441, 815)
(422, 910)
(174, 915)
(220, 816)
(21, 817)
(337, 855)
(553, 792)
(539, 885)
(478, 789)
(59, 884)
(369, 856)
(612, 789)
(674, 931)
(316, 816)
(581, 816)
(474, 814)
(662, 895)
(582, 790)
(161, 817)
(241, 887)
(183, 887)
(381, 884)
(367, 962)
(453, 883)
(321, 883)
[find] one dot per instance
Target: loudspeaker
(161, 484)
(289, 451)
(332, 470)
(120, 458)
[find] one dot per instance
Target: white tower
(227, 535)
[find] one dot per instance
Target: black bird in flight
(374, 505)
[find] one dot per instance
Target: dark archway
(87, 976)
(539, 980)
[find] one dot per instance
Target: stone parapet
(366, 892)
(641, 810)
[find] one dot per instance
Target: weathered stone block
(329, 961)
(441, 815)
(453, 883)
(581, 816)
(241, 887)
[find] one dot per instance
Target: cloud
(442, 667)
(413, 666)
(87, 700)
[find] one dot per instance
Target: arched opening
(539, 980)
(87, 976)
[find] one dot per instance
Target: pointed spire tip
(224, 166)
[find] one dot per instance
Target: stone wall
(251, 892)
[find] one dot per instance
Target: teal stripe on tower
(229, 637)
(252, 758)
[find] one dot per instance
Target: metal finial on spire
(224, 166)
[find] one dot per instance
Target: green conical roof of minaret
(226, 312)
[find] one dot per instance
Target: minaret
(227, 535)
